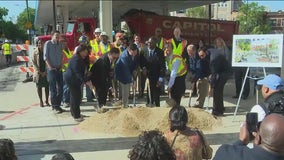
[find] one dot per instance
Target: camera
(252, 122)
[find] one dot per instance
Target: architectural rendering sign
(257, 50)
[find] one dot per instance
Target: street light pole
(28, 21)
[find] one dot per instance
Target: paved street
(39, 133)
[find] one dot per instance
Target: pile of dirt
(131, 121)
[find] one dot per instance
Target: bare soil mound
(131, 121)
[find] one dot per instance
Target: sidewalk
(39, 133)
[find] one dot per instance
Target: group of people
(122, 63)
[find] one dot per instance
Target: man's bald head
(191, 50)
(271, 133)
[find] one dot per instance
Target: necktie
(151, 53)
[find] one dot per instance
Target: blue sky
(16, 7)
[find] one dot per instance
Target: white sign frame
(260, 50)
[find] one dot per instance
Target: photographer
(271, 88)
(268, 142)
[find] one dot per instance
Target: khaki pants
(125, 89)
(202, 86)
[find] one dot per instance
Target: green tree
(3, 13)
(22, 18)
(197, 12)
(253, 19)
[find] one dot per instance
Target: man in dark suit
(268, 142)
(152, 61)
(101, 74)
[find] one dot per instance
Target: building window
(282, 22)
(273, 22)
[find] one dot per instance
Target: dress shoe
(217, 114)
(46, 102)
(59, 111)
(235, 96)
(80, 119)
(244, 97)
(41, 104)
(196, 106)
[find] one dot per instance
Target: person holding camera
(268, 142)
(271, 88)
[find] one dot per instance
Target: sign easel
(263, 50)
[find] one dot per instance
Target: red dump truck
(144, 23)
(193, 29)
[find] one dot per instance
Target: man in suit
(101, 74)
(152, 61)
(268, 142)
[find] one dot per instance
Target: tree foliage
(23, 18)
(8, 29)
(3, 13)
(253, 19)
(197, 12)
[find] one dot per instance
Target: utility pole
(28, 21)
(54, 15)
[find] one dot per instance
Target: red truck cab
(76, 28)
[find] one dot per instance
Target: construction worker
(117, 43)
(7, 51)
(161, 41)
(176, 85)
(95, 42)
(178, 43)
(67, 54)
(104, 45)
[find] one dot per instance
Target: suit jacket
(76, 71)
(101, 72)
(155, 65)
(124, 67)
(240, 152)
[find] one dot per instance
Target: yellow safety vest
(7, 49)
(66, 57)
(178, 49)
(104, 50)
(161, 43)
(95, 46)
(182, 68)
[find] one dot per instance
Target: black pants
(239, 77)
(8, 59)
(142, 84)
(218, 104)
(102, 95)
(75, 100)
(155, 93)
(178, 89)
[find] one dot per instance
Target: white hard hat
(97, 30)
(6, 41)
(103, 34)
